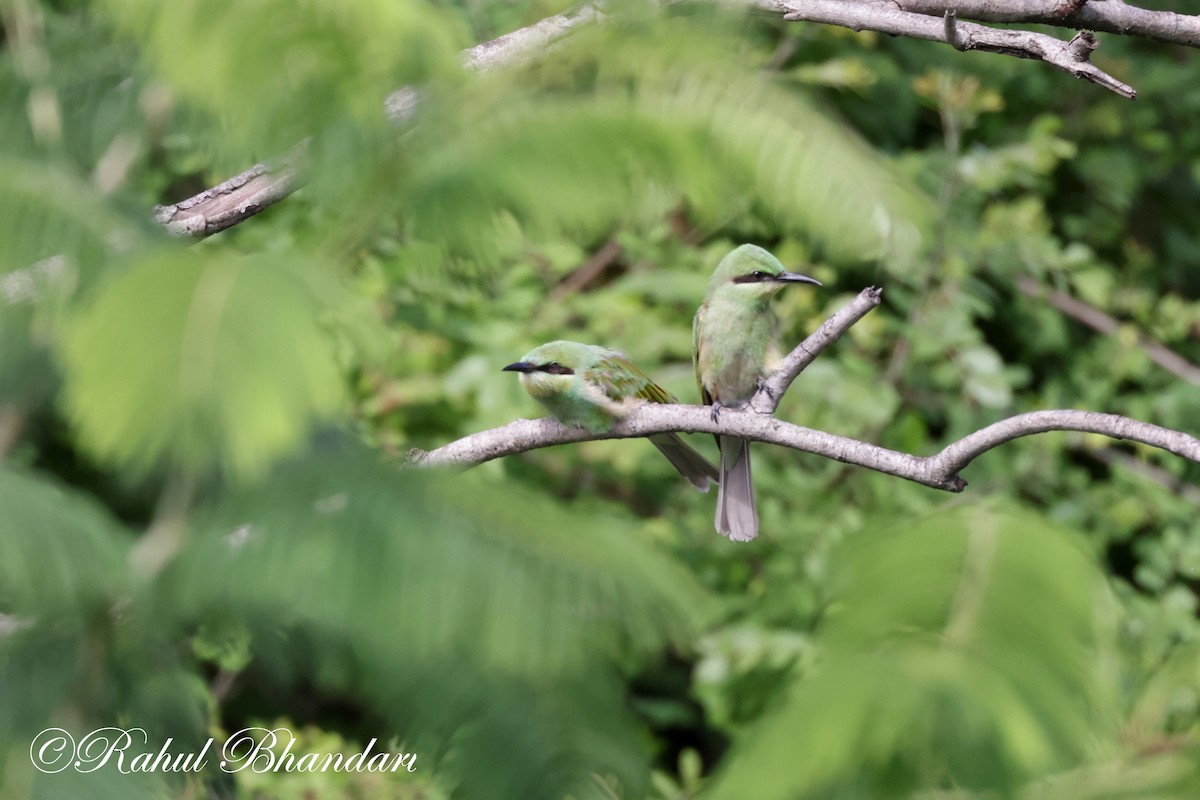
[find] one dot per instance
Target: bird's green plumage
(733, 329)
(591, 387)
(603, 387)
(620, 379)
(732, 336)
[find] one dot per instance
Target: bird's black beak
(796, 277)
(520, 366)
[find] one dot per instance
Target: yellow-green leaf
(201, 363)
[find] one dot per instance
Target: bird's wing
(618, 378)
(697, 325)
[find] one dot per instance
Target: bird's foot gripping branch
(757, 423)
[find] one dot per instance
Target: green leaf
(55, 225)
(972, 649)
(57, 233)
(62, 566)
(473, 613)
(104, 784)
(317, 65)
(453, 564)
(202, 362)
(624, 123)
(59, 552)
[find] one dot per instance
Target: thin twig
(1151, 472)
(1099, 321)
(167, 530)
(12, 422)
(582, 276)
(766, 400)
(950, 26)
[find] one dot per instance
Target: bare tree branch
(1097, 320)
(958, 454)
(521, 45)
(939, 471)
(885, 17)
(228, 203)
(1109, 16)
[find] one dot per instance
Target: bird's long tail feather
(696, 468)
(737, 514)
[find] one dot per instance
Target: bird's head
(551, 368)
(751, 273)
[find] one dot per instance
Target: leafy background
(204, 525)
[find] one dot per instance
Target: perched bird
(732, 334)
(591, 387)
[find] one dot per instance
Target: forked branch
(939, 471)
(1072, 57)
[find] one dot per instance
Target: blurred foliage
(204, 525)
(930, 643)
(191, 337)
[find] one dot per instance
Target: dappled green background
(203, 520)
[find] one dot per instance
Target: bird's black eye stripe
(758, 276)
(554, 368)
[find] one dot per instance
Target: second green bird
(591, 387)
(732, 335)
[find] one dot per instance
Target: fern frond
(465, 612)
(202, 361)
(446, 567)
(278, 71)
(939, 671)
(666, 111)
(58, 551)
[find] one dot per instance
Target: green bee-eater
(591, 387)
(732, 335)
